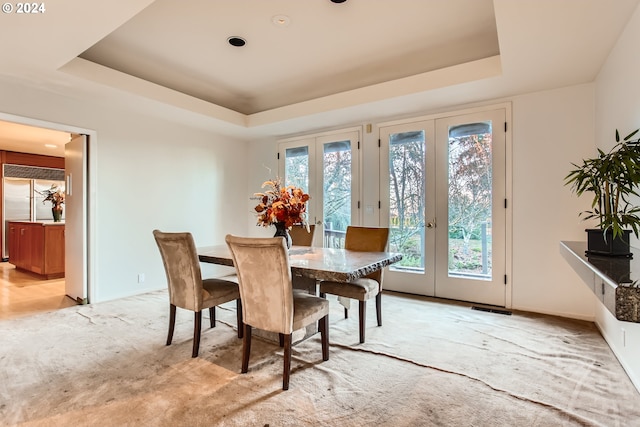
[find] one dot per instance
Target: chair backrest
(181, 264)
(300, 236)
(367, 239)
(264, 278)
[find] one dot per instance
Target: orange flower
(281, 204)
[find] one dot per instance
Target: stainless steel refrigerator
(22, 202)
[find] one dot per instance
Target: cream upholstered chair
(300, 236)
(187, 289)
(268, 300)
(364, 239)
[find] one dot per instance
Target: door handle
(69, 188)
(431, 224)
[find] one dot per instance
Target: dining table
(310, 264)
(316, 263)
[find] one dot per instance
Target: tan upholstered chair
(300, 236)
(187, 289)
(268, 301)
(364, 239)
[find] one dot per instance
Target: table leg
(308, 285)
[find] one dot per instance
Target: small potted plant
(612, 177)
(55, 195)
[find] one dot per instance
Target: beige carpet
(431, 364)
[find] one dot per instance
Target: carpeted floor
(430, 364)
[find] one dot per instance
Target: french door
(327, 167)
(443, 197)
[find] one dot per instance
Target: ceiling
(306, 65)
(295, 50)
(31, 139)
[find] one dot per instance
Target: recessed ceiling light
(281, 20)
(50, 145)
(236, 41)
(338, 1)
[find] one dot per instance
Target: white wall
(261, 166)
(551, 130)
(150, 174)
(175, 179)
(618, 107)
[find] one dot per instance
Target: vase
(283, 231)
(57, 213)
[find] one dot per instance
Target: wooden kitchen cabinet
(37, 247)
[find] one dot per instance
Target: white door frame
(508, 181)
(316, 181)
(488, 290)
(90, 201)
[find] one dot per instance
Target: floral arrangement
(54, 194)
(282, 204)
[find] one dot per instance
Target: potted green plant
(612, 177)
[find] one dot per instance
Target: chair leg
(287, 362)
(212, 316)
(172, 322)
(323, 327)
(239, 317)
(246, 348)
(379, 308)
(346, 313)
(363, 319)
(197, 325)
(281, 339)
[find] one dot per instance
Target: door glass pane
(336, 166)
(297, 167)
(469, 199)
(407, 199)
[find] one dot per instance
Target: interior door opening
(40, 294)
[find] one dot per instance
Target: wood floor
(22, 293)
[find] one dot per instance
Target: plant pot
(601, 243)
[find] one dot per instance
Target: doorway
(50, 294)
(326, 165)
(445, 203)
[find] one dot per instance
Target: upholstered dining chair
(300, 236)
(187, 289)
(364, 239)
(268, 300)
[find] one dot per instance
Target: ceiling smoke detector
(281, 20)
